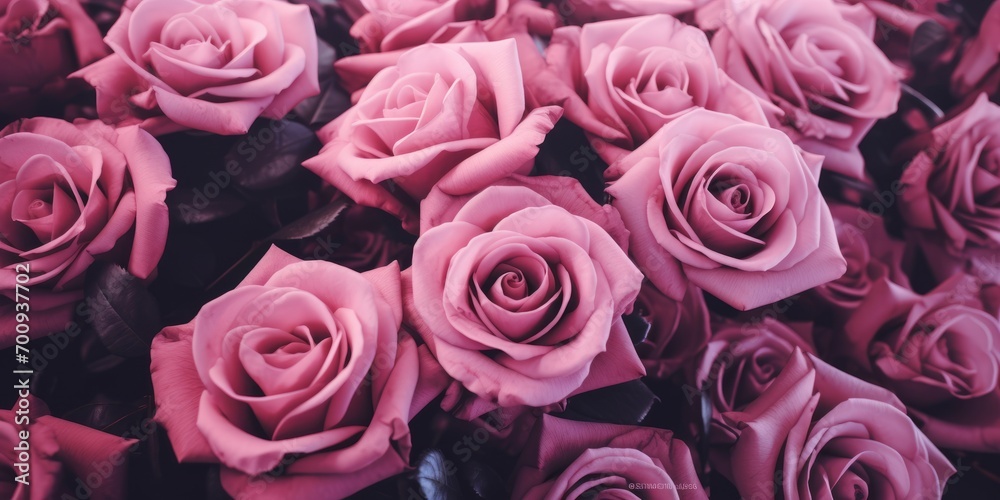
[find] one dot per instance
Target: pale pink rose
(204, 65)
(949, 186)
(71, 194)
(623, 80)
(980, 56)
(519, 291)
(288, 371)
(732, 206)
(40, 44)
(450, 115)
(390, 27)
(573, 460)
(678, 330)
(588, 11)
(932, 351)
(64, 459)
(816, 62)
(817, 432)
(871, 255)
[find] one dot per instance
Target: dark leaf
(198, 205)
(331, 100)
(435, 476)
(321, 109)
(484, 482)
(929, 40)
(626, 403)
(269, 156)
(310, 224)
(638, 327)
(122, 312)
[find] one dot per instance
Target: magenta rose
(387, 28)
(40, 42)
(817, 432)
(573, 460)
(947, 188)
(64, 459)
(290, 374)
(731, 206)
(204, 65)
(981, 56)
(450, 115)
(519, 291)
(626, 79)
(871, 255)
(931, 351)
(71, 194)
(742, 360)
(816, 62)
(678, 330)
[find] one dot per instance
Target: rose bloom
(732, 206)
(71, 194)
(573, 460)
(625, 79)
(947, 188)
(198, 64)
(290, 374)
(871, 255)
(678, 330)
(450, 115)
(40, 43)
(931, 351)
(519, 291)
(817, 432)
(741, 360)
(980, 56)
(67, 460)
(816, 62)
(387, 28)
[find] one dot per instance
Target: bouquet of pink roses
(491, 249)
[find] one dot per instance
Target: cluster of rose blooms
(820, 371)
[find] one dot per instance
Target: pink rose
(947, 189)
(931, 351)
(66, 460)
(451, 116)
(626, 79)
(871, 256)
(678, 330)
(742, 360)
(980, 56)
(519, 291)
(816, 62)
(39, 44)
(287, 371)
(212, 66)
(390, 27)
(817, 432)
(731, 206)
(577, 460)
(71, 194)
(587, 11)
